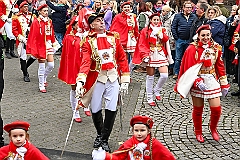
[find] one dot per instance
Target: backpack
(143, 20)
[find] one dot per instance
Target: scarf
(19, 151)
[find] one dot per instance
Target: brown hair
(27, 134)
(143, 7)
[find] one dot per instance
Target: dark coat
(181, 26)
(218, 28)
(59, 17)
(197, 22)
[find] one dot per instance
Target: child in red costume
(19, 145)
(140, 146)
(202, 74)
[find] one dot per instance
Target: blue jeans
(173, 53)
(59, 37)
(181, 46)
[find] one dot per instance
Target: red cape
(159, 151)
(32, 152)
(70, 59)
(36, 43)
(143, 47)
(119, 24)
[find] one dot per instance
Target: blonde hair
(166, 8)
(217, 10)
(114, 7)
(94, 5)
(149, 5)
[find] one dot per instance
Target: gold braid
(151, 145)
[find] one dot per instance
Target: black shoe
(236, 93)
(98, 141)
(1, 143)
(13, 54)
(8, 55)
(26, 79)
(105, 146)
(234, 80)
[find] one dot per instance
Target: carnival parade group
(101, 43)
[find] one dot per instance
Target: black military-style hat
(93, 16)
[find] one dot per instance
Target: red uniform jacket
(159, 152)
(3, 8)
(36, 43)
(70, 59)
(20, 24)
(119, 24)
(32, 152)
(143, 45)
(90, 66)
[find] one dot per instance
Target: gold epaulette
(83, 41)
(219, 47)
(92, 34)
(14, 17)
(194, 43)
(115, 34)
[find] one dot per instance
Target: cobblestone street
(50, 114)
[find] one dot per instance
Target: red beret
(42, 6)
(80, 4)
(203, 27)
(125, 3)
(23, 4)
(16, 125)
(154, 14)
(142, 120)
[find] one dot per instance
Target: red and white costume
(20, 25)
(126, 26)
(42, 42)
(28, 151)
(204, 61)
(155, 47)
(126, 151)
(5, 8)
(41, 39)
(103, 62)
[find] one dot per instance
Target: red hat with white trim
(42, 6)
(23, 4)
(203, 27)
(125, 3)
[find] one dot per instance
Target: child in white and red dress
(19, 147)
(141, 146)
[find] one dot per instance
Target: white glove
(140, 148)
(4, 17)
(202, 86)
(24, 40)
(99, 154)
(9, 20)
(124, 88)
(146, 60)
(79, 90)
(15, 10)
(224, 92)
